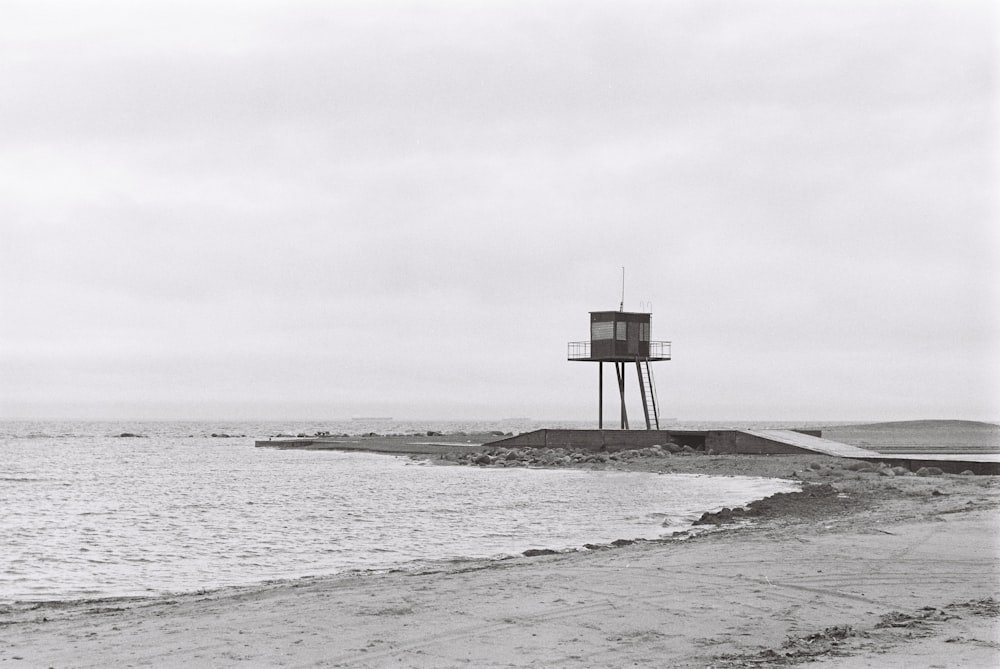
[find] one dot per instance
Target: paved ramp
(789, 441)
(810, 443)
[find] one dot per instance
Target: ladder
(647, 388)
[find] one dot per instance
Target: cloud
(200, 195)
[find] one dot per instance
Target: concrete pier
(748, 442)
(745, 442)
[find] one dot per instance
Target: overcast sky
(319, 210)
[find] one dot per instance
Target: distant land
(920, 436)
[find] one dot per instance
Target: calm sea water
(86, 514)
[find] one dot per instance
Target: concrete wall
(721, 441)
(693, 438)
(731, 441)
(956, 466)
(586, 440)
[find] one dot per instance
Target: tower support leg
(620, 372)
(600, 395)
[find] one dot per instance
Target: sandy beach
(859, 570)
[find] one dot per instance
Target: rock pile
(558, 457)
(880, 468)
(883, 469)
(801, 502)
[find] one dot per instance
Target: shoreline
(824, 570)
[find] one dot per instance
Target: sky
(326, 209)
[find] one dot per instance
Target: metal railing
(580, 350)
(659, 349)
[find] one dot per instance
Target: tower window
(601, 330)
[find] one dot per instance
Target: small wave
(42, 604)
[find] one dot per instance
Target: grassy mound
(921, 436)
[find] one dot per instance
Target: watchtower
(623, 337)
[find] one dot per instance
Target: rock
(821, 490)
(967, 472)
(725, 515)
(532, 552)
(622, 542)
(483, 459)
(129, 435)
(815, 466)
(861, 466)
(901, 471)
(673, 448)
(930, 471)
(707, 518)
(886, 472)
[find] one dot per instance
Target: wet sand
(861, 570)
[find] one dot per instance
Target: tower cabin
(623, 337)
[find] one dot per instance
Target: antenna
(621, 305)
